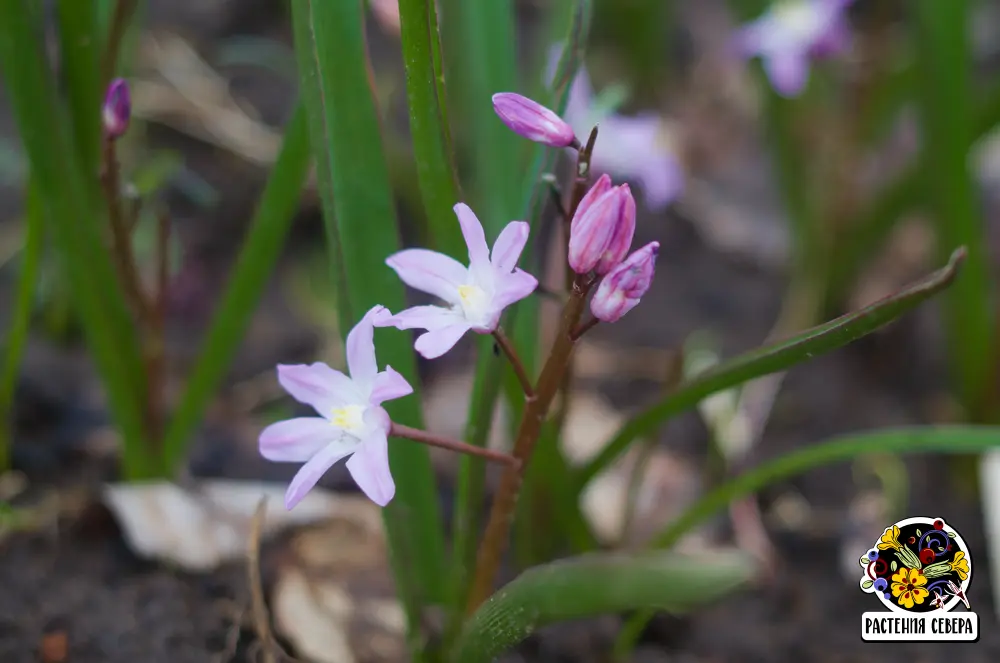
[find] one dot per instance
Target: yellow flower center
(795, 15)
(350, 417)
(473, 300)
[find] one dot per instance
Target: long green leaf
(773, 358)
(598, 584)
(360, 217)
(261, 249)
(480, 57)
(20, 322)
(425, 91)
(917, 439)
(47, 138)
(945, 108)
(79, 41)
(927, 439)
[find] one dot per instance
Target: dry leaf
(202, 527)
(338, 604)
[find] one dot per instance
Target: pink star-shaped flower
(351, 421)
(474, 296)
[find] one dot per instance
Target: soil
(73, 591)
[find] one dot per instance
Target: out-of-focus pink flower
(602, 228)
(623, 287)
(789, 34)
(386, 14)
(351, 422)
(475, 295)
(117, 109)
(635, 148)
(533, 121)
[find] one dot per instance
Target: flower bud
(117, 108)
(533, 121)
(601, 231)
(625, 285)
(601, 187)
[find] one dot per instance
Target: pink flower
(636, 148)
(117, 109)
(475, 295)
(533, 121)
(623, 287)
(351, 422)
(789, 34)
(602, 228)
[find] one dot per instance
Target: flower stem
(120, 236)
(515, 361)
(430, 439)
(502, 511)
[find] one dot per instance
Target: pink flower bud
(625, 285)
(532, 120)
(117, 108)
(601, 231)
(601, 187)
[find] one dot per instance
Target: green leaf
(945, 105)
(79, 44)
(598, 584)
(360, 219)
(867, 584)
(261, 249)
(771, 359)
(425, 91)
(20, 322)
(480, 57)
(918, 439)
(60, 176)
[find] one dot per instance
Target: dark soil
(77, 587)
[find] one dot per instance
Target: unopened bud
(533, 121)
(117, 108)
(625, 285)
(601, 231)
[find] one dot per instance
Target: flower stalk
(515, 361)
(442, 442)
(149, 308)
(495, 538)
(551, 382)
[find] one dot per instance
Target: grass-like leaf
(360, 217)
(773, 358)
(598, 584)
(480, 56)
(20, 322)
(944, 101)
(79, 42)
(261, 248)
(917, 439)
(46, 134)
(425, 91)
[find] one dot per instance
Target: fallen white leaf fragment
(314, 617)
(198, 529)
(335, 602)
